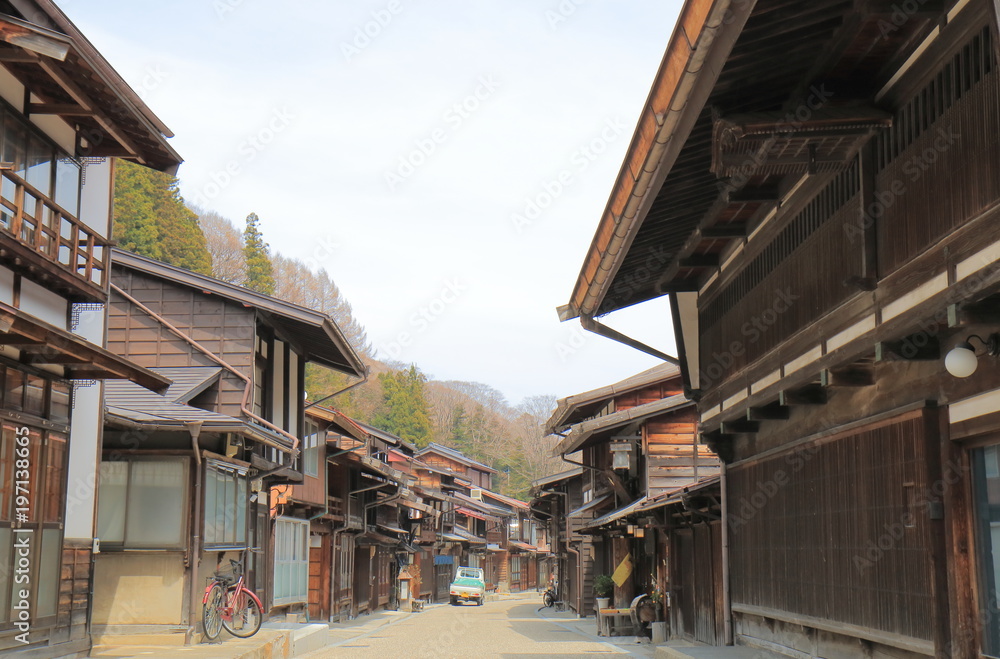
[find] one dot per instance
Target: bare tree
(225, 244)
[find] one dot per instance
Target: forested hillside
(152, 219)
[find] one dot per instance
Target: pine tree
(405, 412)
(260, 271)
(151, 219)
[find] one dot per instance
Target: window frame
(185, 510)
(292, 553)
(237, 473)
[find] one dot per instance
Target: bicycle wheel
(246, 618)
(548, 599)
(211, 616)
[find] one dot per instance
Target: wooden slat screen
(771, 299)
(844, 538)
(942, 149)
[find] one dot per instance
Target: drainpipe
(727, 609)
(342, 391)
(248, 383)
(194, 427)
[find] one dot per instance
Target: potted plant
(604, 585)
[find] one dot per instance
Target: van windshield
(468, 574)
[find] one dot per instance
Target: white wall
(42, 303)
(85, 441)
(279, 387)
(95, 198)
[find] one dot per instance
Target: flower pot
(603, 603)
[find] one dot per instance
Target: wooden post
(957, 475)
(936, 528)
(626, 592)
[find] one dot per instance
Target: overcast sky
(447, 162)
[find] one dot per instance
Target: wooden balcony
(49, 245)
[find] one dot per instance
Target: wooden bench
(608, 618)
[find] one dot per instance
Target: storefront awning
(469, 513)
(522, 546)
(616, 515)
(589, 506)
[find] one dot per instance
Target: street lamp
(961, 361)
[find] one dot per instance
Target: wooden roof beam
(848, 376)
(916, 347)
(986, 312)
(81, 97)
(772, 412)
(61, 109)
(700, 261)
(739, 427)
(811, 394)
(727, 231)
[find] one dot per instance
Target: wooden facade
(55, 219)
(828, 218)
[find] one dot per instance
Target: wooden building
(65, 114)
(559, 506)
(816, 187)
(636, 440)
(375, 519)
(208, 460)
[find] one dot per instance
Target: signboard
(623, 571)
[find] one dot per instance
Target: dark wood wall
(696, 611)
(224, 328)
(838, 531)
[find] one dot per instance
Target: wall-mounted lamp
(961, 361)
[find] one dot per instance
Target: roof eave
(705, 33)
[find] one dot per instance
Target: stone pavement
(281, 640)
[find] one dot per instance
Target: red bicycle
(228, 604)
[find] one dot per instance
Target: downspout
(197, 346)
(194, 428)
(727, 609)
(342, 391)
(591, 325)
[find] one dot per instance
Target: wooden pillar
(957, 475)
(626, 592)
(937, 562)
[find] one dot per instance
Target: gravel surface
(496, 629)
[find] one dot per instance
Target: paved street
(511, 628)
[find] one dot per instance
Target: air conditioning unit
(476, 493)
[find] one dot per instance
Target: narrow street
(508, 628)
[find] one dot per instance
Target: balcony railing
(43, 228)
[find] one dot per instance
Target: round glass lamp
(961, 361)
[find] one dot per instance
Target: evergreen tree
(151, 219)
(260, 271)
(405, 412)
